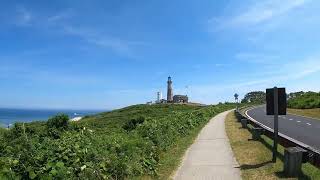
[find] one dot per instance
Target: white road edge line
(283, 135)
(298, 121)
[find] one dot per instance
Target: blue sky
(109, 54)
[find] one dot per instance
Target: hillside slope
(137, 141)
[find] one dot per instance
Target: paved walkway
(210, 157)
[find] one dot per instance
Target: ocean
(9, 116)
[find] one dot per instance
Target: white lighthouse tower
(169, 90)
(159, 97)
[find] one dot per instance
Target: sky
(106, 54)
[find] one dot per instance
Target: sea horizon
(9, 116)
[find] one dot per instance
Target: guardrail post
(238, 116)
(237, 112)
(244, 123)
(256, 133)
(293, 161)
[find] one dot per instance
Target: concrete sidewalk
(210, 157)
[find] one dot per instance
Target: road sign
(236, 99)
(276, 105)
(282, 101)
(236, 96)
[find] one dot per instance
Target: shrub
(133, 123)
(59, 121)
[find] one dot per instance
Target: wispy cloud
(24, 16)
(63, 22)
(293, 70)
(259, 58)
(303, 68)
(66, 14)
(211, 65)
(222, 64)
(29, 74)
(256, 14)
(265, 11)
(122, 47)
(289, 75)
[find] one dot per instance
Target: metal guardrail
(311, 155)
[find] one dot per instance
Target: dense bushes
(59, 122)
(303, 100)
(133, 123)
(256, 97)
(116, 145)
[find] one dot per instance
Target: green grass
(137, 142)
(313, 113)
(254, 156)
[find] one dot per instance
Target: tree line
(297, 100)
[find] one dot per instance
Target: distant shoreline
(10, 116)
(76, 119)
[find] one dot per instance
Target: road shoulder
(255, 157)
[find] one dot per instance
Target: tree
(254, 97)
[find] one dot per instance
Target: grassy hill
(140, 141)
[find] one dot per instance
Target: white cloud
(291, 70)
(63, 21)
(265, 11)
(222, 64)
(66, 14)
(261, 12)
(118, 45)
(24, 16)
(259, 58)
(303, 68)
(30, 74)
(290, 75)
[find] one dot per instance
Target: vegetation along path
(210, 157)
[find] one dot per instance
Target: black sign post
(276, 126)
(236, 99)
(276, 105)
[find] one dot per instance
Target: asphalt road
(303, 129)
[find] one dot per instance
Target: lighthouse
(159, 97)
(169, 90)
